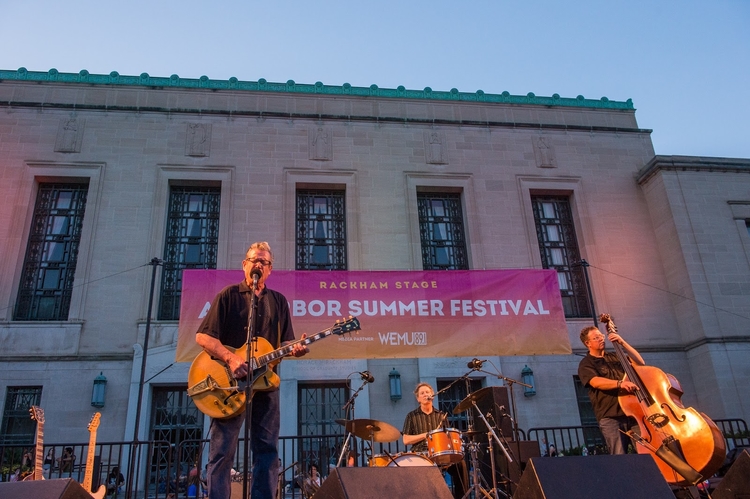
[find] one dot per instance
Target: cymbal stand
(476, 486)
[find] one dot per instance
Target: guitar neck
(39, 453)
(88, 477)
(287, 350)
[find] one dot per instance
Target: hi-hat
(370, 429)
(471, 398)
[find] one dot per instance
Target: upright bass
(685, 444)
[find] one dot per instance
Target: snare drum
(401, 459)
(444, 446)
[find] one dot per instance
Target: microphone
(475, 363)
(255, 274)
(367, 377)
(430, 397)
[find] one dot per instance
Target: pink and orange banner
(403, 313)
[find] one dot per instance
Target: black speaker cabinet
(736, 483)
(59, 488)
(384, 482)
(508, 473)
(496, 403)
(626, 476)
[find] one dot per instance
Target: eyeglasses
(265, 263)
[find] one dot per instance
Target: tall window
(320, 405)
(192, 241)
(52, 252)
(176, 430)
(17, 427)
(559, 250)
(441, 230)
(321, 230)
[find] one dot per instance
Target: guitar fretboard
(284, 351)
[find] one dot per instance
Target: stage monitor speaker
(736, 483)
(388, 482)
(496, 402)
(625, 476)
(58, 488)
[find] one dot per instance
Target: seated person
(67, 459)
(115, 480)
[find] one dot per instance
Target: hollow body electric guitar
(37, 414)
(219, 395)
(685, 444)
(88, 476)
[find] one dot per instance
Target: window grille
(52, 253)
(176, 430)
(441, 231)
(17, 427)
(558, 246)
(450, 398)
(320, 405)
(321, 230)
(192, 241)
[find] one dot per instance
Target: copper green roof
(204, 82)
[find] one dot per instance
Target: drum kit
(445, 446)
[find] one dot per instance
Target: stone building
(102, 173)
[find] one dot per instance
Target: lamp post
(155, 262)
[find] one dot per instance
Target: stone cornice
(692, 163)
(174, 81)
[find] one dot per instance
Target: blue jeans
(264, 439)
(616, 441)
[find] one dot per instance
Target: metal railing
(164, 468)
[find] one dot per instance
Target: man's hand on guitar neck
(299, 349)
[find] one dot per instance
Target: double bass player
(602, 373)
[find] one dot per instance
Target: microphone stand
(349, 405)
(249, 384)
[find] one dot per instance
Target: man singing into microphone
(420, 422)
(226, 326)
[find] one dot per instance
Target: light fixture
(527, 376)
(395, 383)
(100, 387)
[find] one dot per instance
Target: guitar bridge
(658, 420)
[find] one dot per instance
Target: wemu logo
(394, 338)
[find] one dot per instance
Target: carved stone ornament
(544, 153)
(320, 143)
(198, 140)
(434, 146)
(69, 135)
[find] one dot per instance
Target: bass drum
(401, 459)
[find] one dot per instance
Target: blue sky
(685, 64)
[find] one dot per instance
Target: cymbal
(471, 398)
(370, 429)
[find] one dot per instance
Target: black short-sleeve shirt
(228, 316)
(605, 402)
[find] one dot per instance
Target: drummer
(420, 422)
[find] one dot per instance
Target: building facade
(103, 173)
